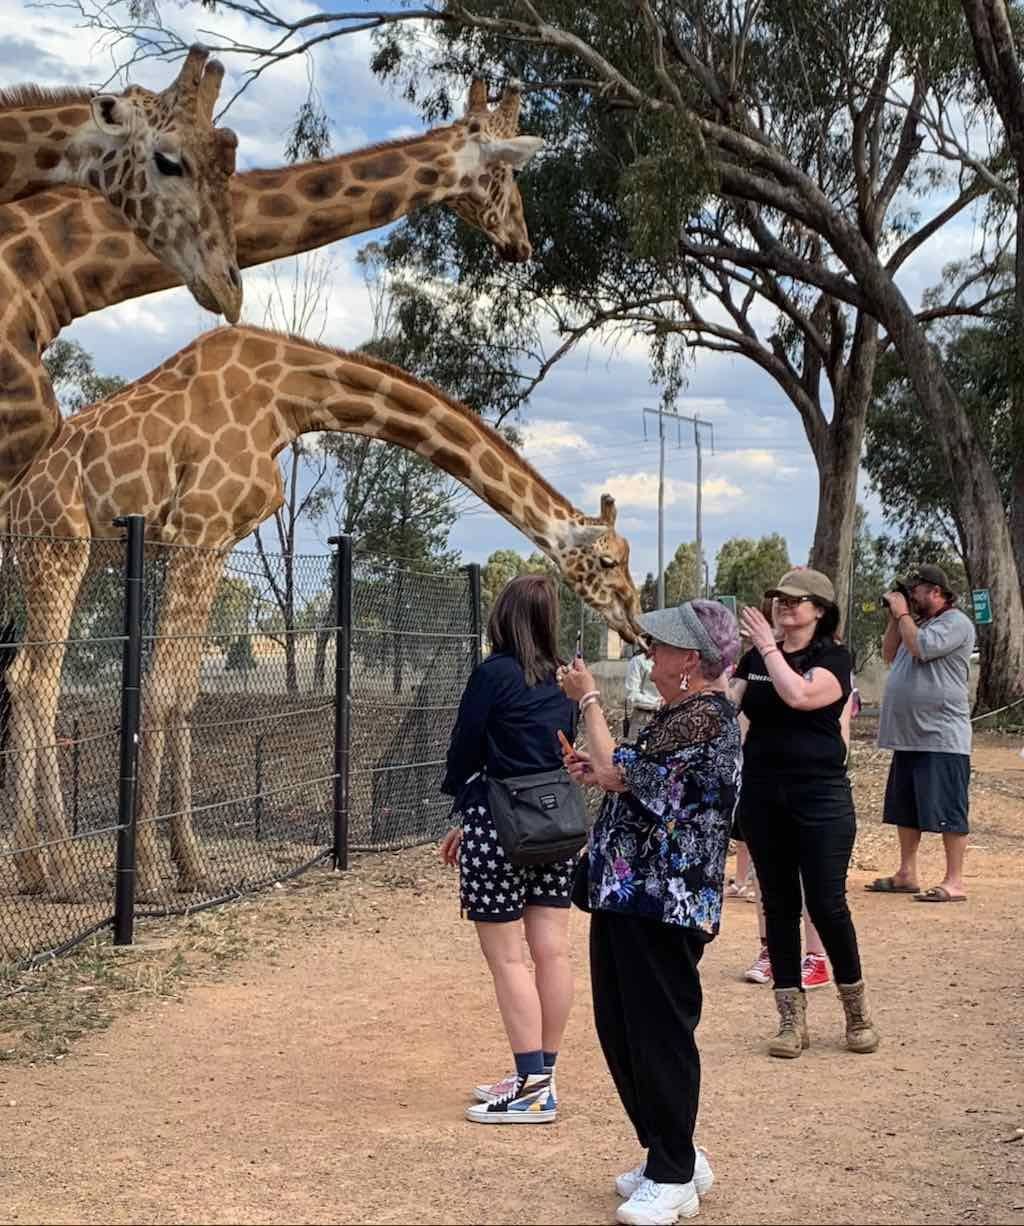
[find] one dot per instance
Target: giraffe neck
(320, 389)
(48, 141)
(277, 213)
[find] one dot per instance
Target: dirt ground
(304, 1056)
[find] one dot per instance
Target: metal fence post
(342, 694)
(476, 611)
(131, 673)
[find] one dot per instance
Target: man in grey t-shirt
(926, 721)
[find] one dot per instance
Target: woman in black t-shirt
(796, 807)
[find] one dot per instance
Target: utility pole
(698, 425)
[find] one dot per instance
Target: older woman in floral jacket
(654, 885)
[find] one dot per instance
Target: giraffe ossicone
(156, 158)
(192, 447)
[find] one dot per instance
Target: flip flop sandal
(887, 885)
(939, 893)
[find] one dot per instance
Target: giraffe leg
(170, 694)
(51, 576)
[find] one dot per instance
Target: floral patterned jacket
(658, 849)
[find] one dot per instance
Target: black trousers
(647, 1002)
(803, 830)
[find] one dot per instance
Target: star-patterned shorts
(492, 890)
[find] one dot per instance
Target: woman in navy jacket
(508, 725)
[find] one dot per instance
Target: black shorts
(928, 791)
(491, 889)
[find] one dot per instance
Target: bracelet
(590, 694)
(766, 654)
(902, 616)
(590, 701)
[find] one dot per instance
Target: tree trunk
(839, 464)
(973, 483)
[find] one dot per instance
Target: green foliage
(239, 656)
(901, 454)
(746, 568)
(649, 593)
(73, 374)
(232, 607)
(681, 579)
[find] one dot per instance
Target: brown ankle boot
(792, 1037)
(861, 1036)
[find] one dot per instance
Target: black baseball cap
(934, 575)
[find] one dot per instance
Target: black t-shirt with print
(781, 739)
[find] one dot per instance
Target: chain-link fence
(260, 732)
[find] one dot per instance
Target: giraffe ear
(514, 152)
(114, 116)
(188, 81)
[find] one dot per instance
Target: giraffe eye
(607, 561)
(167, 166)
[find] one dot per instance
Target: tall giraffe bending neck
(192, 447)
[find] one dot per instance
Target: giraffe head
(595, 563)
(493, 151)
(162, 164)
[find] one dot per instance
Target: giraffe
(159, 165)
(192, 447)
(64, 253)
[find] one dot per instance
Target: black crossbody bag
(539, 818)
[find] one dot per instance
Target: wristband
(590, 701)
(765, 654)
(590, 694)
(902, 616)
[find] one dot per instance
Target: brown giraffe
(192, 446)
(159, 165)
(64, 253)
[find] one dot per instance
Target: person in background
(926, 721)
(508, 725)
(655, 872)
(796, 806)
(814, 972)
(642, 698)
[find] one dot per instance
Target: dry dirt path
(322, 1078)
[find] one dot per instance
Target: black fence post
(476, 611)
(131, 674)
(342, 694)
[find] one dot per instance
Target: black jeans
(803, 830)
(647, 1002)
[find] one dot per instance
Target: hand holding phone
(567, 749)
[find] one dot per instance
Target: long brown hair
(524, 622)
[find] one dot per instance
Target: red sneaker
(814, 972)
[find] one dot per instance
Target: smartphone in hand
(563, 740)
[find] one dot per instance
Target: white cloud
(641, 490)
(543, 439)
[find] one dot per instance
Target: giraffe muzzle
(221, 295)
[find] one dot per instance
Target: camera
(898, 586)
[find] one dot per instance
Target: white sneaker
(760, 970)
(487, 1093)
(531, 1101)
(659, 1204)
(703, 1177)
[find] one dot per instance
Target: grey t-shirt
(925, 705)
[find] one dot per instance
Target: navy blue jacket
(506, 726)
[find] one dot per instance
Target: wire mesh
(61, 643)
(413, 650)
(236, 757)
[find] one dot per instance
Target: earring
(684, 681)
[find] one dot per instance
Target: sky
(584, 428)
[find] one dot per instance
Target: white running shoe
(659, 1204)
(703, 1176)
(531, 1101)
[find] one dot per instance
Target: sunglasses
(791, 602)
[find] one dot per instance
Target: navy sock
(549, 1059)
(529, 1063)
